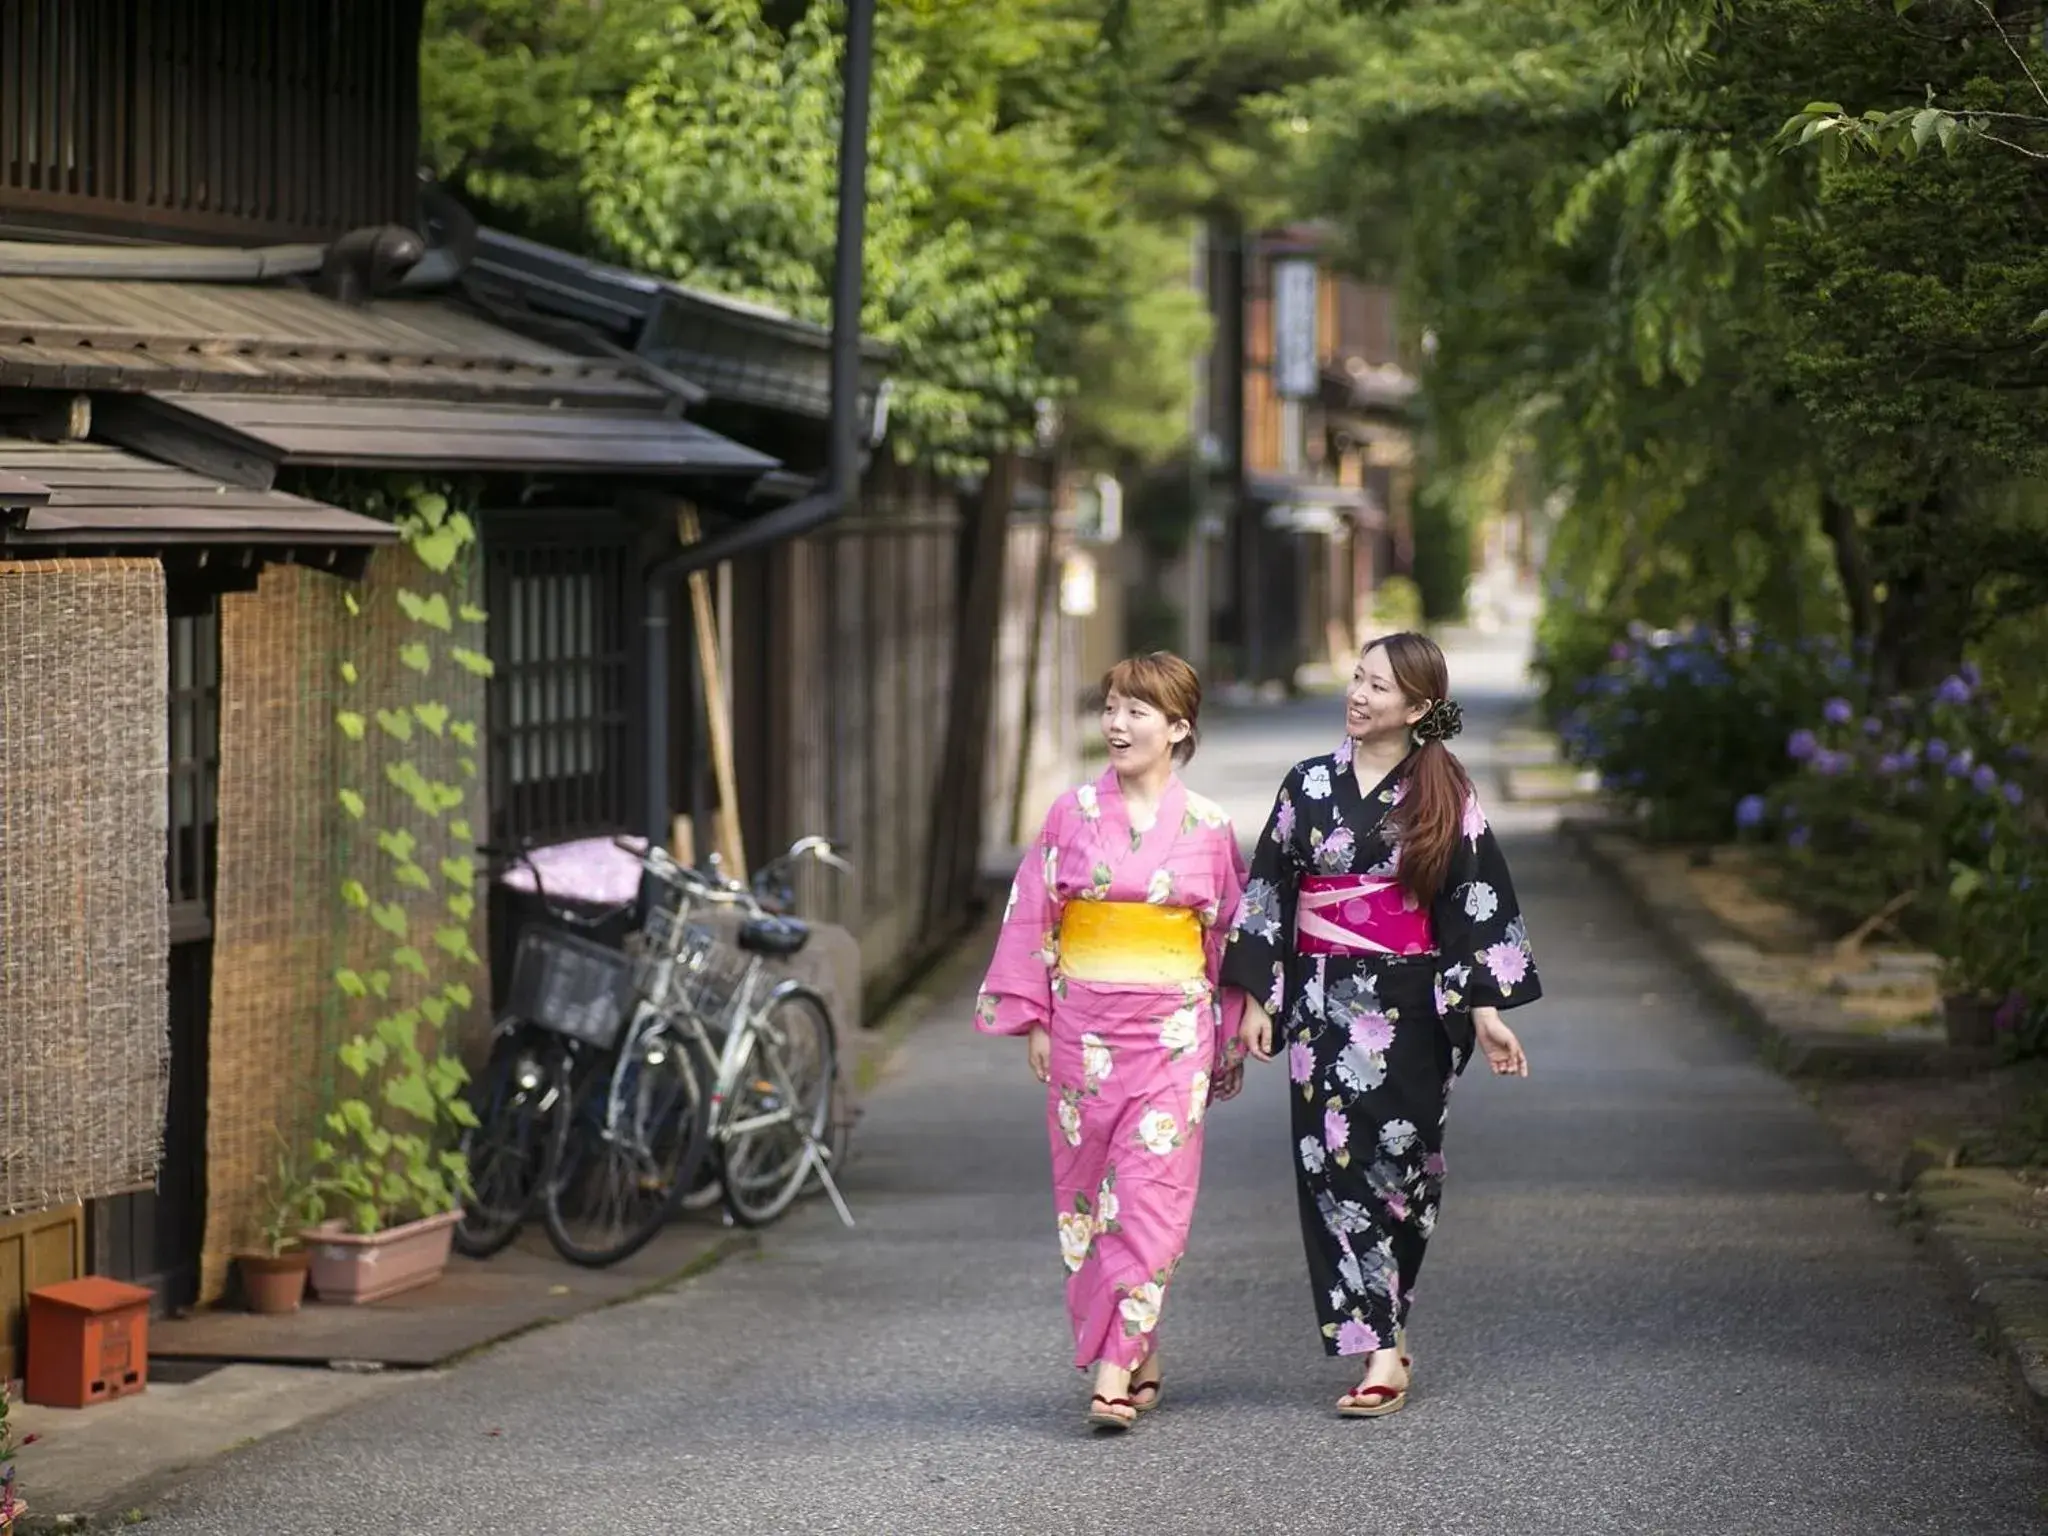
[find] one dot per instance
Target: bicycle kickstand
(820, 1157)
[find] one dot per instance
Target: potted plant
(274, 1272)
(391, 1166)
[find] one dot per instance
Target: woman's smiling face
(1375, 708)
(1138, 734)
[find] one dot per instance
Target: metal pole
(856, 67)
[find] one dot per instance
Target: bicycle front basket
(571, 986)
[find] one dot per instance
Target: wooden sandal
(1156, 1386)
(1105, 1416)
(1372, 1402)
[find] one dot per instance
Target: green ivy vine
(390, 1150)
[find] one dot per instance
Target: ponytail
(1430, 819)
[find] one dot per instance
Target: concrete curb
(1976, 1222)
(1983, 1225)
(1795, 1045)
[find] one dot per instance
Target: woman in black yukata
(1379, 935)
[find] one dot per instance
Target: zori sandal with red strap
(1372, 1402)
(1155, 1386)
(1102, 1412)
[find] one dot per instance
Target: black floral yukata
(1373, 1040)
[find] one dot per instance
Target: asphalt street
(1661, 1300)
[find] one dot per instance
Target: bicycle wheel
(516, 1096)
(628, 1152)
(780, 1107)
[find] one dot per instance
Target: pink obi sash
(1358, 915)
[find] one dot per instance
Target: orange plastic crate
(88, 1342)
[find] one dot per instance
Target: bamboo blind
(84, 927)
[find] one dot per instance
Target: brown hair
(1165, 682)
(1431, 816)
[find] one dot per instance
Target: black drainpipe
(842, 482)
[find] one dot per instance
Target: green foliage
(388, 1152)
(293, 1200)
(1443, 552)
(1759, 386)
(1685, 726)
(1397, 604)
(1034, 164)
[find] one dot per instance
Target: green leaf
(413, 877)
(460, 830)
(461, 906)
(471, 661)
(436, 1010)
(464, 731)
(348, 672)
(396, 1030)
(468, 767)
(354, 893)
(350, 802)
(348, 601)
(453, 939)
(351, 723)
(410, 1095)
(471, 614)
(389, 916)
(432, 506)
(458, 994)
(408, 958)
(399, 844)
(354, 1055)
(380, 983)
(459, 872)
(435, 615)
(433, 716)
(437, 550)
(415, 656)
(351, 983)
(395, 723)
(1925, 121)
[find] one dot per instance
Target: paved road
(1661, 1301)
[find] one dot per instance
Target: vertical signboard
(1294, 328)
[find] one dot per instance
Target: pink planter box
(350, 1268)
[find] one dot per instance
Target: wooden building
(229, 310)
(1305, 436)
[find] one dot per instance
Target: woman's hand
(1503, 1050)
(1256, 1031)
(1038, 1051)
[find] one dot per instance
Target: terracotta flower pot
(274, 1282)
(1969, 1019)
(351, 1268)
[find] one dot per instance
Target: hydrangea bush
(1684, 724)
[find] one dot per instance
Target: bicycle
(516, 1095)
(768, 1116)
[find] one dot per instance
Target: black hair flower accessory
(1441, 721)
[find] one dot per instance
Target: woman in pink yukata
(1107, 963)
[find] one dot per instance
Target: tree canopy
(1033, 167)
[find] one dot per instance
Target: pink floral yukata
(1135, 1065)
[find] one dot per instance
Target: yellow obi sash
(1131, 943)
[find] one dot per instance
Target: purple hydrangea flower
(2014, 795)
(1873, 727)
(1953, 690)
(1801, 745)
(1838, 712)
(1937, 749)
(1985, 780)
(1749, 811)
(1891, 764)
(1971, 674)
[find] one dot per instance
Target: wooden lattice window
(194, 764)
(563, 732)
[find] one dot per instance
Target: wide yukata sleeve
(1262, 940)
(1479, 928)
(1226, 1075)
(1018, 990)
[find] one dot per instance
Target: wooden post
(717, 709)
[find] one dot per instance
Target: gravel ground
(1661, 1300)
